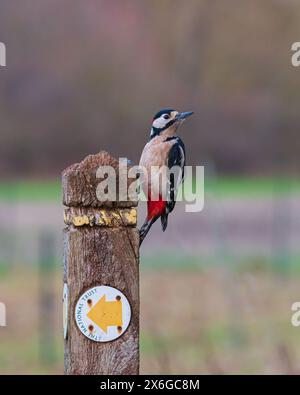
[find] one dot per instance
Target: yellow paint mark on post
(81, 220)
(130, 216)
(105, 314)
(102, 217)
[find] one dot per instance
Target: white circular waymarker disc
(102, 313)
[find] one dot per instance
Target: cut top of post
(81, 182)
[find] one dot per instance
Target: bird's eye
(166, 116)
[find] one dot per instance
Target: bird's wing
(176, 161)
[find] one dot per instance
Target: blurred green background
(86, 76)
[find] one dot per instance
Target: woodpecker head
(166, 122)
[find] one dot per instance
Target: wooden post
(101, 248)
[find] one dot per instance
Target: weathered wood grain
(107, 254)
(80, 183)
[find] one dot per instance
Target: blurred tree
(85, 76)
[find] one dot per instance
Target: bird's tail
(164, 221)
(145, 228)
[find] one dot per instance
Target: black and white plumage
(165, 150)
(176, 161)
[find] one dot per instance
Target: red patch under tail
(155, 208)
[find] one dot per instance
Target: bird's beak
(183, 115)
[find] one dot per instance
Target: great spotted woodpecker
(164, 151)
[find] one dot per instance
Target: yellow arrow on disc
(105, 314)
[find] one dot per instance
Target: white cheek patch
(160, 122)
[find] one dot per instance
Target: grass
(30, 190)
(210, 317)
(285, 265)
(165, 260)
(219, 323)
(225, 186)
(251, 186)
(208, 321)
